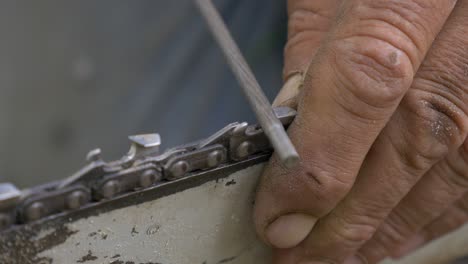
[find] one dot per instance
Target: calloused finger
(359, 76)
(430, 122)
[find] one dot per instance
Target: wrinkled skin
(381, 130)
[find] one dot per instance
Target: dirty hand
(381, 129)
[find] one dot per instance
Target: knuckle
(443, 78)
(371, 70)
(435, 126)
(381, 49)
(404, 24)
(398, 23)
(443, 118)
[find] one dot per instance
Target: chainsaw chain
(143, 167)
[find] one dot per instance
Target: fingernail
(289, 230)
(287, 96)
(354, 260)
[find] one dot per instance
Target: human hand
(381, 130)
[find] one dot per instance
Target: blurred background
(76, 75)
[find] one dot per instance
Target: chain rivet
(148, 177)
(76, 199)
(35, 211)
(110, 189)
(179, 168)
(244, 149)
(214, 158)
